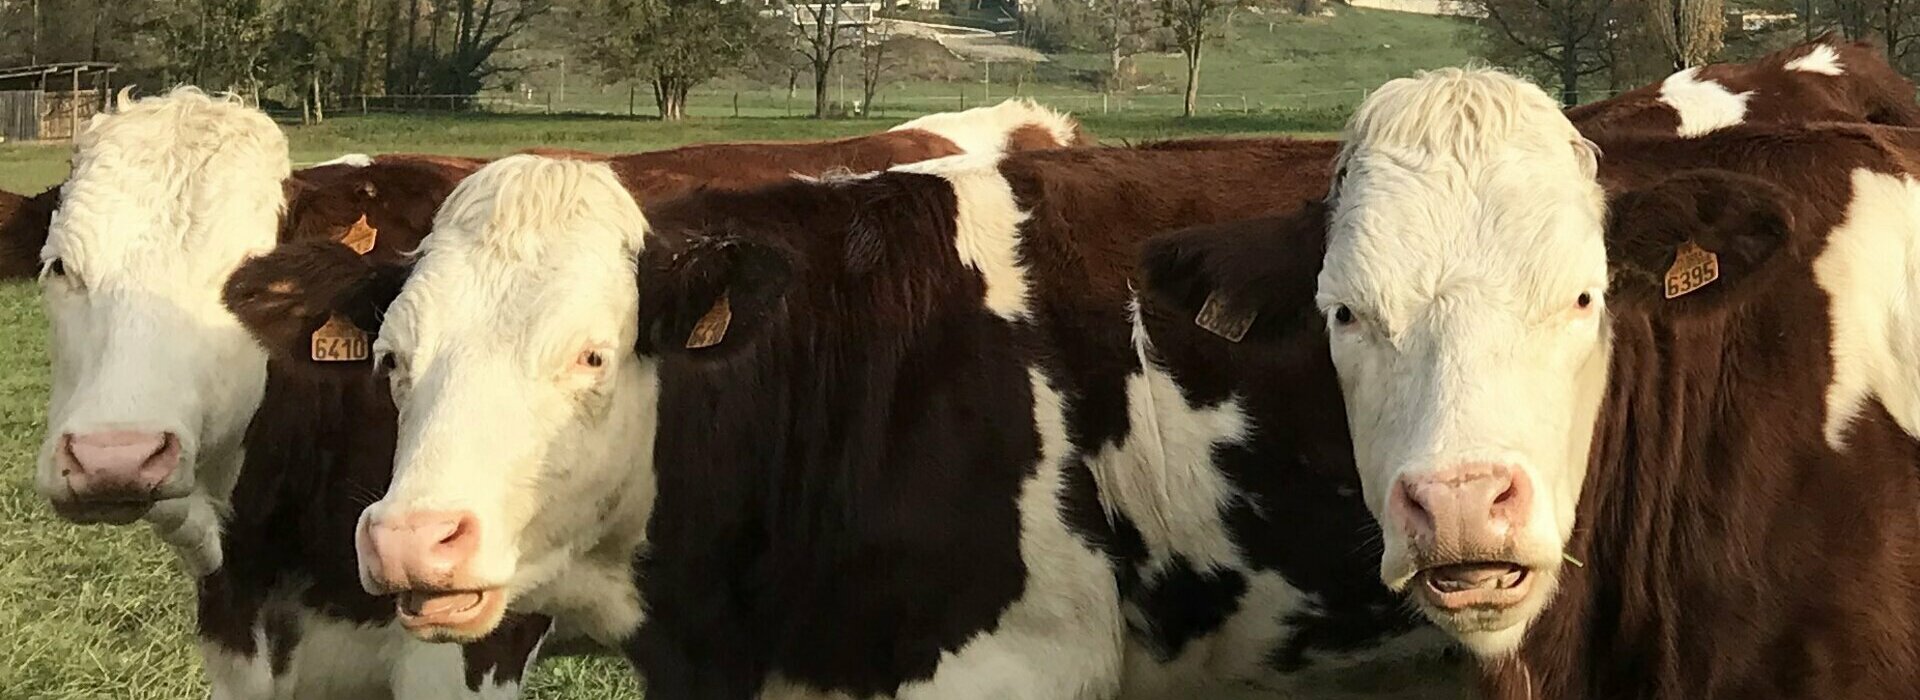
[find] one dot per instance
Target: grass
(103, 612)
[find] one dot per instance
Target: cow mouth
(451, 615)
(1486, 585)
(103, 512)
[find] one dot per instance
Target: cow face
(153, 380)
(506, 350)
(1462, 289)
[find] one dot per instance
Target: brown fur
(23, 231)
(1868, 90)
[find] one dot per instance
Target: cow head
(1464, 291)
(1466, 288)
(153, 380)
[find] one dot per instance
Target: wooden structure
(54, 101)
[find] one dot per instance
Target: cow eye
(1585, 300)
(1343, 315)
(57, 268)
(388, 363)
(592, 359)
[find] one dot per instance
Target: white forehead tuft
(1457, 115)
(1704, 106)
(1823, 59)
(521, 207)
(985, 129)
(180, 178)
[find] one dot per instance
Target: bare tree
(1568, 39)
(1194, 23)
(1128, 25)
(825, 33)
(879, 55)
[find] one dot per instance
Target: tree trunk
(670, 96)
(319, 109)
(1569, 77)
(820, 79)
(1193, 78)
(413, 47)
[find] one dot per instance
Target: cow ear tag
(1222, 321)
(338, 340)
(713, 326)
(361, 236)
(1693, 267)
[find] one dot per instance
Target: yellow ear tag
(1222, 321)
(713, 326)
(361, 236)
(1693, 267)
(339, 341)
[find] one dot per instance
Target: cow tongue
(1477, 576)
(422, 604)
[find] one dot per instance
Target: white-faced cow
(1658, 443)
(885, 435)
(1826, 79)
(164, 409)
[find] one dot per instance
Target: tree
(672, 45)
(1566, 39)
(1127, 27)
(879, 55)
(824, 33)
(480, 27)
(1690, 30)
(1194, 23)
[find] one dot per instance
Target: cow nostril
(1512, 492)
(459, 532)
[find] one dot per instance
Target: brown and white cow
(23, 226)
(1641, 427)
(1825, 79)
(885, 435)
(161, 412)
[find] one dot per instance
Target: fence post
(736, 104)
(630, 89)
(549, 102)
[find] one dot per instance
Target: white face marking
(1704, 105)
(521, 401)
(166, 198)
(1822, 59)
(1871, 272)
(987, 233)
(985, 129)
(1467, 231)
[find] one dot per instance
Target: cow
(875, 436)
(1828, 78)
(23, 225)
(1642, 425)
(165, 410)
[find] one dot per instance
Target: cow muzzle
(1463, 526)
(424, 558)
(115, 476)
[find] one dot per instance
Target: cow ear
(1694, 238)
(711, 297)
(1238, 279)
(316, 303)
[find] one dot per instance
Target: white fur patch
(237, 677)
(987, 232)
(1822, 59)
(985, 129)
(357, 160)
(1704, 106)
(1870, 270)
